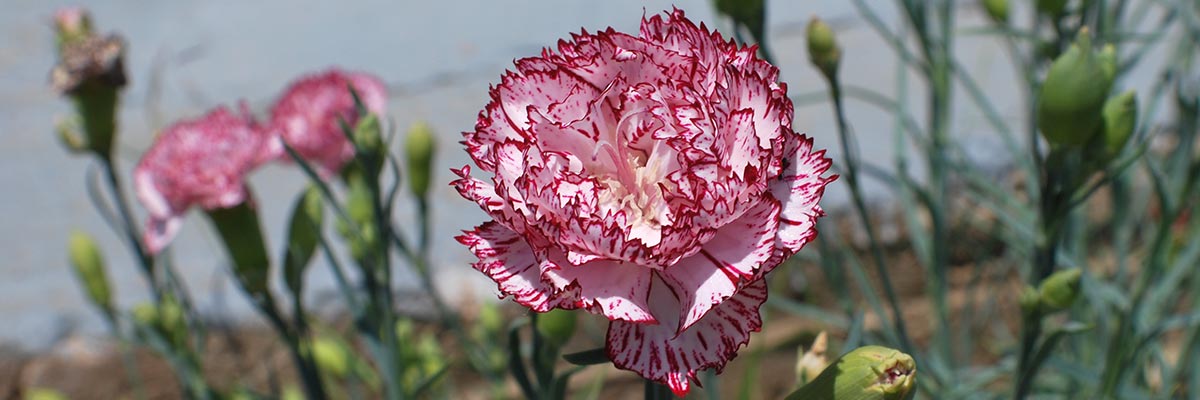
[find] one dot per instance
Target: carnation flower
(306, 116)
(652, 179)
(201, 162)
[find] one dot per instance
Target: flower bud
(40, 393)
(1029, 300)
(812, 362)
(369, 140)
(1073, 94)
(1059, 290)
(1120, 118)
(172, 322)
(865, 373)
(145, 314)
(241, 233)
(331, 356)
(419, 147)
(1052, 8)
(997, 10)
(304, 232)
(88, 263)
(823, 49)
(360, 208)
(556, 326)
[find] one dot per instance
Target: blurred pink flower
(306, 116)
(654, 180)
(201, 162)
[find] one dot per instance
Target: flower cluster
(204, 161)
(652, 179)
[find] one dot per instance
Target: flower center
(635, 183)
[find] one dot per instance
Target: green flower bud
(304, 231)
(1059, 290)
(419, 147)
(865, 373)
(823, 49)
(88, 263)
(1120, 119)
(172, 321)
(360, 207)
(430, 354)
(1052, 8)
(1073, 94)
(368, 138)
(291, 392)
(997, 10)
(331, 356)
(556, 326)
(241, 233)
(1030, 301)
(146, 314)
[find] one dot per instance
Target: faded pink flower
(306, 116)
(654, 180)
(201, 162)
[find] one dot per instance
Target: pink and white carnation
(306, 116)
(652, 179)
(200, 162)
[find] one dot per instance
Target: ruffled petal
(509, 260)
(732, 257)
(658, 352)
(617, 290)
(799, 189)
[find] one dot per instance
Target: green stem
(851, 174)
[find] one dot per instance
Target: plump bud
(419, 147)
(88, 263)
(1030, 300)
(1120, 119)
(810, 363)
(145, 314)
(303, 236)
(1073, 94)
(360, 207)
(241, 233)
(823, 49)
(369, 140)
(557, 326)
(1052, 8)
(997, 10)
(331, 356)
(865, 373)
(1059, 290)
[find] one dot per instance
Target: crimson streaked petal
(508, 259)
(729, 259)
(616, 290)
(658, 352)
(799, 188)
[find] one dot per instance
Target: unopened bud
(88, 263)
(1119, 121)
(1059, 290)
(865, 373)
(419, 148)
(557, 326)
(1073, 94)
(91, 71)
(823, 49)
(369, 140)
(810, 363)
(1030, 300)
(146, 314)
(997, 10)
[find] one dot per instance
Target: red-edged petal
(658, 352)
(506, 258)
(731, 257)
(799, 189)
(617, 290)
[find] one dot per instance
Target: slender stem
(851, 175)
(130, 228)
(310, 375)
